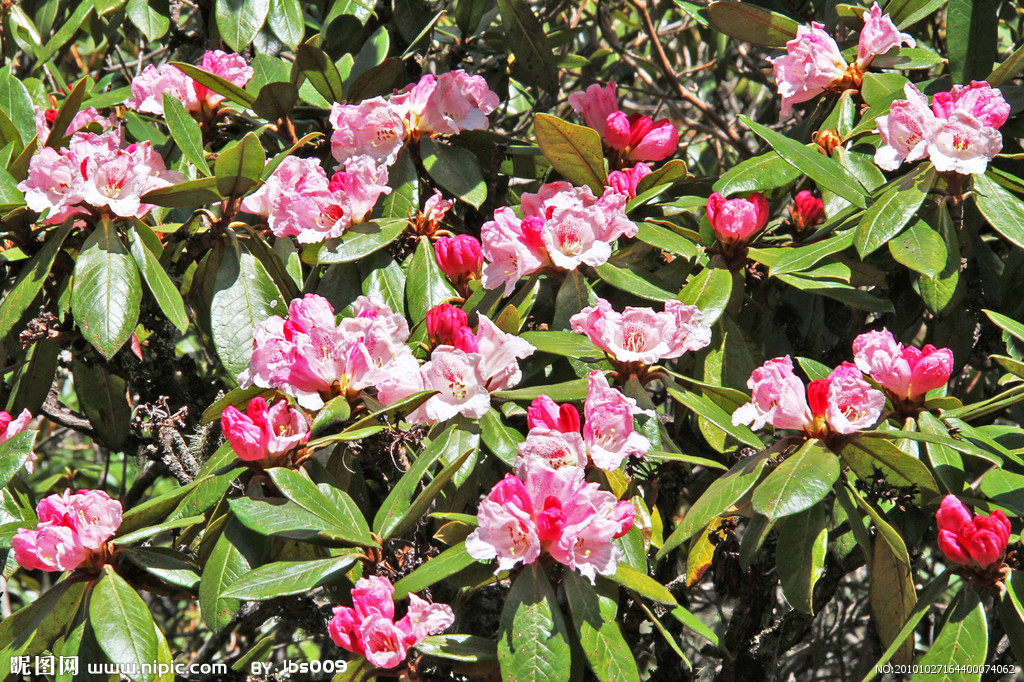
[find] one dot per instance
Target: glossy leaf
(800, 556)
(527, 40)
(320, 71)
(574, 151)
(800, 482)
(921, 249)
(891, 212)
(186, 133)
(447, 563)
(1003, 211)
(240, 20)
(288, 577)
(425, 284)
(594, 616)
(455, 170)
(160, 285)
(533, 644)
(892, 597)
(123, 624)
(17, 299)
(239, 168)
(751, 24)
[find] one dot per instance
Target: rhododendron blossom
(562, 226)
(907, 373)
(541, 509)
(459, 257)
(12, 426)
(71, 527)
(446, 104)
(737, 220)
(979, 543)
(94, 171)
(443, 324)
(625, 181)
(372, 128)
(852, 404)
(634, 138)
(263, 433)
(641, 334)
(46, 117)
(958, 133)
(368, 627)
(813, 62)
(310, 357)
(807, 211)
(148, 87)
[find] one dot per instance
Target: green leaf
(823, 170)
(456, 170)
(160, 285)
(164, 563)
(800, 556)
(102, 397)
(445, 564)
(533, 644)
(710, 291)
(566, 391)
(1013, 65)
(972, 38)
(803, 258)
(501, 439)
(286, 21)
(666, 239)
(707, 409)
(629, 281)
(1003, 211)
(425, 284)
(276, 101)
(186, 194)
(574, 151)
(238, 168)
(799, 483)
(642, 584)
(362, 240)
(186, 133)
(892, 597)
(864, 455)
(226, 563)
(215, 82)
(107, 290)
(72, 103)
(123, 624)
(342, 518)
(288, 577)
(527, 40)
(377, 80)
(14, 452)
(467, 648)
(752, 24)
(921, 249)
(594, 615)
(243, 296)
(893, 210)
(17, 104)
(238, 21)
(963, 640)
(720, 495)
(906, 12)
(765, 171)
(148, 19)
(320, 71)
(569, 344)
(40, 622)
(30, 281)
(404, 199)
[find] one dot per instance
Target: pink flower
(852, 404)
(979, 542)
(878, 36)
(46, 117)
(641, 334)
(444, 322)
(12, 426)
(625, 181)
(544, 412)
(499, 355)
(149, 86)
(639, 138)
(263, 433)
(291, 179)
(608, 426)
(71, 527)
(557, 448)
(808, 210)
(811, 64)
(596, 104)
(461, 388)
(372, 128)
(906, 130)
(905, 372)
(512, 248)
(737, 220)
(459, 257)
(231, 67)
(367, 628)
(778, 398)
(979, 100)
(543, 509)
(964, 144)
(447, 104)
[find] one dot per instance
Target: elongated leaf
(425, 284)
(574, 151)
(800, 556)
(25, 290)
(468, 648)
(286, 20)
(217, 83)
(642, 584)
(288, 577)
(320, 71)
(799, 483)
(362, 240)
(148, 19)
(921, 249)
(629, 281)
(527, 39)
(186, 133)
(17, 104)
(239, 168)
(226, 563)
(66, 114)
(823, 170)
(887, 216)
(864, 455)
(123, 624)
(499, 438)
(107, 290)
(906, 12)
(717, 416)
(340, 514)
(160, 285)
(594, 615)
(765, 171)
(445, 564)
(749, 23)
(710, 291)
(1003, 211)
(103, 398)
(456, 170)
(804, 257)
(892, 597)
(971, 38)
(184, 194)
(533, 644)
(14, 452)
(1013, 65)
(240, 20)
(568, 344)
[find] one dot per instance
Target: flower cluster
(608, 436)
(641, 334)
(368, 627)
(562, 227)
(633, 138)
(148, 87)
(262, 433)
(464, 368)
(12, 426)
(312, 358)
(625, 181)
(435, 105)
(842, 403)
(47, 117)
(298, 200)
(543, 510)
(71, 527)
(459, 258)
(978, 543)
(95, 172)
(905, 373)
(813, 63)
(958, 133)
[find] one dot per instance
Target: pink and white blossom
(446, 104)
(70, 528)
(853, 405)
(149, 86)
(373, 128)
(907, 373)
(878, 36)
(46, 117)
(545, 413)
(811, 64)
(778, 398)
(264, 433)
(512, 249)
(596, 104)
(642, 334)
(12, 426)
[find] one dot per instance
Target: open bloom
(737, 220)
(46, 117)
(71, 527)
(368, 627)
(541, 509)
(372, 128)
(642, 334)
(979, 542)
(446, 104)
(149, 86)
(813, 62)
(635, 137)
(262, 432)
(907, 373)
(12, 426)
(959, 132)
